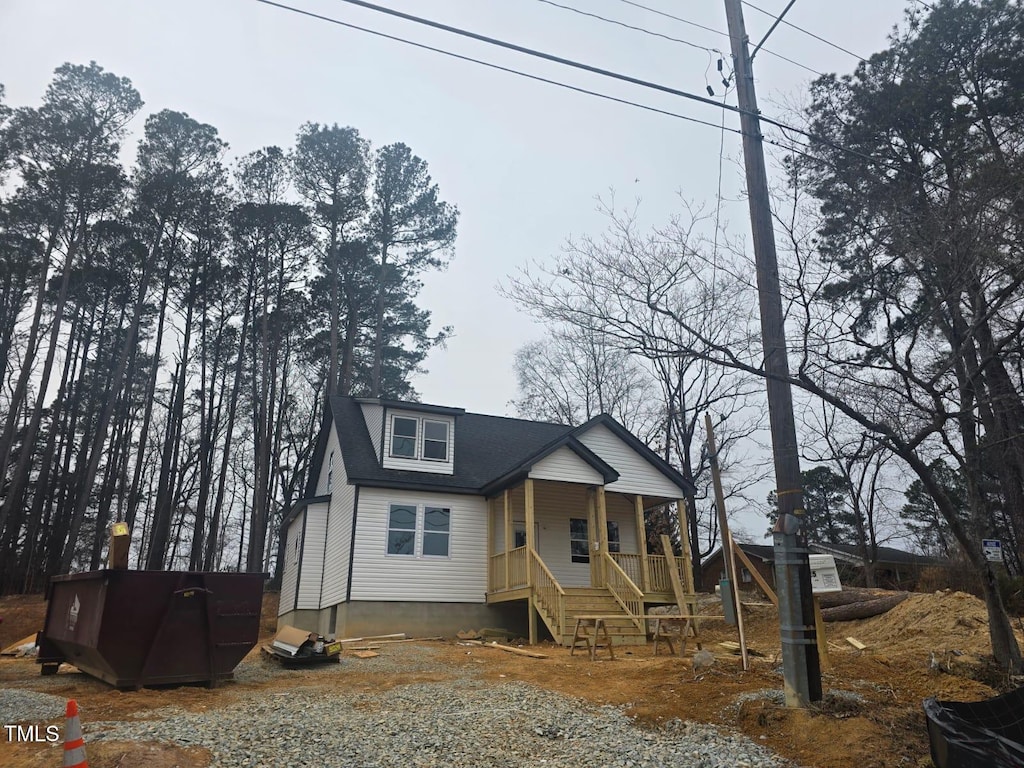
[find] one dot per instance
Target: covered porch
(562, 545)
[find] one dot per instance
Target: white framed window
(435, 440)
(419, 531)
(437, 529)
(403, 436)
(402, 530)
(579, 543)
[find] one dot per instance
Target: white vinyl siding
(418, 463)
(459, 577)
(292, 548)
(373, 415)
(335, 552)
(565, 465)
(311, 576)
(636, 474)
(554, 504)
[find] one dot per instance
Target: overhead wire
(585, 67)
(806, 32)
(491, 65)
(717, 32)
(628, 26)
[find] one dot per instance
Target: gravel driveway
(462, 721)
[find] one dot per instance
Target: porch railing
(624, 590)
(548, 593)
(632, 564)
(517, 564)
(660, 581)
(496, 573)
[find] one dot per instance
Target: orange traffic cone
(74, 744)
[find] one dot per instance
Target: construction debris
(294, 647)
(24, 647)
(856, 643)
(517, 651)
(365, 654)
(372, 638)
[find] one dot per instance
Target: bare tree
(617, 287)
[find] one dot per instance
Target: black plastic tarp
(982, 734)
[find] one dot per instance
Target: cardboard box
(289, 639)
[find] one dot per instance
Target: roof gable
(490, 452)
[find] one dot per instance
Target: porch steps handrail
(625, 591)
(549, 594)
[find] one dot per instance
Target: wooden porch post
(641, 539)
(531, 538)
(491, 542)
(530, 544)
(602, 531)
(507, 497)
(684, 537)
(595, 574)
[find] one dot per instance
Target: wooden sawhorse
(589, 631)
(662, 635)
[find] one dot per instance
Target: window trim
(420, 439)
(419, 530)
(447, 534)
(447, 440)
(415, 437)
(614, 542)
(388, 530)
(586, 540)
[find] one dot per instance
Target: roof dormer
(414, 437)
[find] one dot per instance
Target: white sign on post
(993, 549)
(824, 574)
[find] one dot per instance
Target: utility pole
(800, 662)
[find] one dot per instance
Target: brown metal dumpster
(145, 628)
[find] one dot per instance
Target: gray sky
(522, 160)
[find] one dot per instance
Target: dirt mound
(935, 622)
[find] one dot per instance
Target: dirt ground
(928, 645)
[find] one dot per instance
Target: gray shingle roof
(487, 449)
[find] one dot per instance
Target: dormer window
(403, 437)
(419, 442)
(435, 440)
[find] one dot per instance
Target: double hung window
(579, 539)
(413, 437)
(419, 530)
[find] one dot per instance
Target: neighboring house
(761, 556)
(894, 568)
(427, 519)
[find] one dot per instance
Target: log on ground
(864, 609)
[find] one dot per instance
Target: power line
(630, 26)
(806, 32)
(717, 32)
(491, 65)
(529, 52)
(586, 67)
(675, 18)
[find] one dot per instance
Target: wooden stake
(819, 629)
(728, 548)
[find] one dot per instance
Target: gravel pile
(458, 723)
(18, 706)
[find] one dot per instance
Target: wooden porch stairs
(592, 601)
